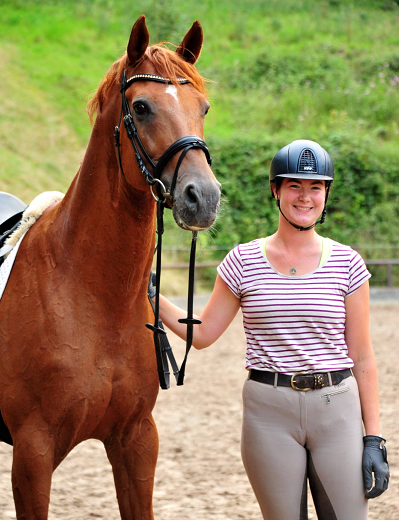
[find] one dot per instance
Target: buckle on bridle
(165, 193)
(293, 385)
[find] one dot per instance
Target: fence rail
(388, 263)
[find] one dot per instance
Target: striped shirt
(294, 323)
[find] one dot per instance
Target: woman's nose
(304, 194)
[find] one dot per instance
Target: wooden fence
(389, 264)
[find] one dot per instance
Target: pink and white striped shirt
(294, 323)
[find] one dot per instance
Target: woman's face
(302, 200)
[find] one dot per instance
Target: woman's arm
(357, 335)
(217, 315)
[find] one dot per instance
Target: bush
(363, 204)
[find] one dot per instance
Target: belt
(300, 381)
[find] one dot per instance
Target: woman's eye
(140, 109)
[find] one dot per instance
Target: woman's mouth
(303, 208)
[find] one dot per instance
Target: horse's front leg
(133, 456)
(32, 469)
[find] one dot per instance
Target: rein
(163, 350)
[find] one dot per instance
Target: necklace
(292, 270)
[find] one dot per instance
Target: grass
(341, 57)
(340, 73)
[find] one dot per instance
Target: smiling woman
(304, 300)
(302, 161)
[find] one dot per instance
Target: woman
(312, 372)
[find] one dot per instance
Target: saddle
(11, 211)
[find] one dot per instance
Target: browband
(152, 77)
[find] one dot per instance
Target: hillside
(279, 70)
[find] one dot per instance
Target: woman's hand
(375, 462)
(217, 315)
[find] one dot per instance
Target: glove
(375, 461)
(151, 291)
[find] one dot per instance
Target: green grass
(309, 75)
(281, 66)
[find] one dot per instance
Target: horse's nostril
(191, 195)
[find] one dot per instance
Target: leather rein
(163, 350)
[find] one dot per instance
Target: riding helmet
(302, 159)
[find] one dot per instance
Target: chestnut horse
(77, 360)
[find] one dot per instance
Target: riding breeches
(290, 438)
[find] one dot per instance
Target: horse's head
(164, 105)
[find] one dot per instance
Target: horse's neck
(105, 221)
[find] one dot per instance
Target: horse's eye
(207, 110)
(140, 108)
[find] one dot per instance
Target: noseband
(163, 350)
(184, 143)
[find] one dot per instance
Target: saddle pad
(31, 214)
(6, 266)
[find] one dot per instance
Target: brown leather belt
(300, 381)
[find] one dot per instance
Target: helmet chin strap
(320, 221)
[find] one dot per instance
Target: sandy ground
(199, 473)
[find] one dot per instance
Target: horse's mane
(167, 63)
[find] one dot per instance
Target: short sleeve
(358, 273)
(230, 270)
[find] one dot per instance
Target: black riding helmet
(302, 159)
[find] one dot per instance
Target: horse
(77, 361)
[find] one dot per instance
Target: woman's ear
(273, 187)
(275, 193)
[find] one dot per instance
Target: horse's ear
(138, 42)
(190, 47)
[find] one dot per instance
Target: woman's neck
(293, 239)
(292, 252)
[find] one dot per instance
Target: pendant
(292, 271)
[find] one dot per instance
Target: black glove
(375, 461)
(151, 285)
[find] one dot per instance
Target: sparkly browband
(153, 77)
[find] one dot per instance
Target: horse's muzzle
(196, 206)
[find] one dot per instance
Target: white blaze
(172, 90)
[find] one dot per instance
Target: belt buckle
(293, 382)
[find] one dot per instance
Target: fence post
(390, 277)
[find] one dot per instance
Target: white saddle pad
(6, 266)
(29, 217)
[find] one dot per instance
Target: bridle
(184, 144)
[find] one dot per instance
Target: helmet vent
(307, 162)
